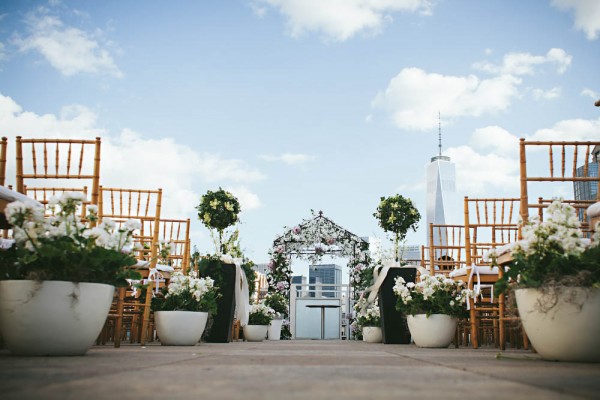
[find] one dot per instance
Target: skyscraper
(326, 273)
(441, 178)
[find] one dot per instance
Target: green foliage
(552, 253)
(61, 248)
(432, 295)
(277, 302)
(218, 210)
(250, 276)
(260, 314)
(397, 214)
(187, 293)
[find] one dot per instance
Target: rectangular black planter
(393, 322)
(220, 331)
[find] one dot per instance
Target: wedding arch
(311, 240)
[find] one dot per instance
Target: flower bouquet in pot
(433, 307)
(280, 305)
(260, 317)
(369, 319)
(57, 280)
(555, 272)
(218, 210)
(182, 308)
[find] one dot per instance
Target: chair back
(446, 248)
(3, 146)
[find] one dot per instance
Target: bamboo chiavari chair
(565, 153)
(43, 195)
(176, 232)
(56, 162)
(446, 248)
(489, 223)
(3, 146)
(120, 205)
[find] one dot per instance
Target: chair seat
(481, 270)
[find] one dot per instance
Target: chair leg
(473, 319)
(146, 318)
(119, 318)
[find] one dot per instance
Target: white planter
(52, 318)
(372, 334)
(180, 328)
(569, 331)
(255, 333)
(436, 331)
(274, 331)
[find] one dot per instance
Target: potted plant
(57, 280)
(280, 305)
(397, 215)
(219, 210)
(258, 322)
(433, 307)
(369, 318)
(182, 308)
(556, 276)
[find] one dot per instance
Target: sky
(299, 105)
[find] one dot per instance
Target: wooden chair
(3, 146)
(446, 248)
(576, 155)
(489, 223)
(61, 164)
(43, 196)
(177, 232)
(143, 205)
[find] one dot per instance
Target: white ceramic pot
(255, 333)
(569, 331)
(372, 334)
(52, 318)
(180, 328)
(436, 331)
(274, 331)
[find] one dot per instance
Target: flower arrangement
(260, 314)
(62, 247)
(187, 293)
(554, 253)
(432, 295)
(279, 272)
(367, 313)
(397, 214)
(278, 302)
(218, 210)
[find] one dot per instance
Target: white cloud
(69, 50)
(414, 97)
(179, 170)
(590, 93)
(525, 63)
(2, 52)
(570, 129)
(587, 15)
(495, 139)
(289, 158)
(342, 19)
(540, 94)
(248, 200)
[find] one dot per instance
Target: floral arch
(311, 240)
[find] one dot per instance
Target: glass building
(587, 190)
(441, 182)
(326, 273)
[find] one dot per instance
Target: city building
(441, 191)
(326, 273)
(297, 282)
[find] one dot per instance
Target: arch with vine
(311, 240)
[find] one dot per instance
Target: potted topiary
(433, 307)
(258, 322)
(397, 215)
(555, 272)
(58, 279)
(182, 308)
(219, 210)
(280, 305)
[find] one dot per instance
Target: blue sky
(297, 105)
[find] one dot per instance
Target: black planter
(222, 321)
(393, 323)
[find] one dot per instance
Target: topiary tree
(397, 214)
(218, 210)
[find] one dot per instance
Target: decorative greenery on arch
(311, 240)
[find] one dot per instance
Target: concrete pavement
(295, 370)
